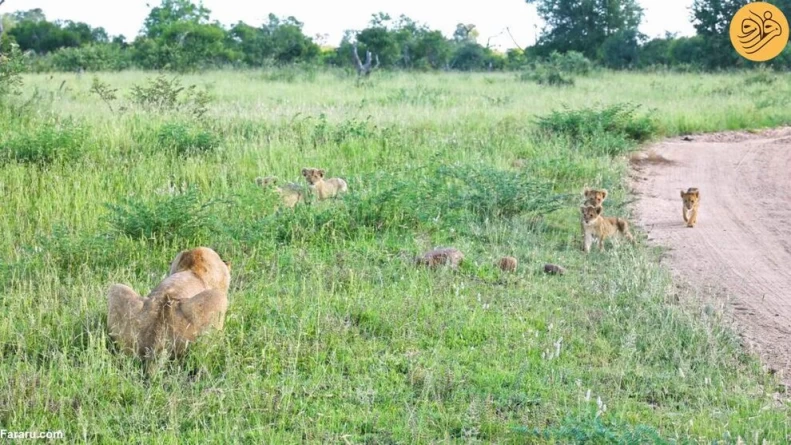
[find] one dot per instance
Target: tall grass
(332, 334)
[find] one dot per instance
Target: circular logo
(759, 31)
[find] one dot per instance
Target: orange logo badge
(759, 31)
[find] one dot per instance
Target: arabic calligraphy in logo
(759, 31)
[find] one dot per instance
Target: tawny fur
(190, 300)
(324, 188)
(595, 225)
(507, 263)
(441, 256)
(593, 197)
(290, 194)
(691, 199)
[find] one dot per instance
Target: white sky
(333, 17)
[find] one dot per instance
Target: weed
(620, 120)
(46, 143)
(185, 139)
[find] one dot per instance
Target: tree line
(180, 35)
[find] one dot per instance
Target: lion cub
(325, 188)
(291, 194)
(601, 227)
(593, 197)
(689, 211)
(190, 300)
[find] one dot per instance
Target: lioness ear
(598, 210)
(227, 263)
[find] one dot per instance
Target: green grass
(332, 335)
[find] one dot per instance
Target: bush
(547, 74)
(11, 67)
(48, 142)
(163, 94)
(618, 120)
(571, 62)
(186, 140)
(90, 58)
(166, 217)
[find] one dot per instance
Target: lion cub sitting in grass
(593, 197)
(689, 211)
(324, 188)
(290, 194)
(601, 227)
(192, 299)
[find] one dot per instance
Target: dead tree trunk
(364, 69)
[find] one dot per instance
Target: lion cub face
(313, 175)
(594, 197)
(691, 197)
(590, 213)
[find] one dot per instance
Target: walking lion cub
(290, 194)
(689, 211)
(595, 225)
(190, 300)
(325, 188)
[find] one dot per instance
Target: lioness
(601, 227)
(325, 188)
(691, 199)
(192, 299)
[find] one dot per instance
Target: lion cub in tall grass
(291, 194)
(689, 211)
(595, 225)
(325, 188)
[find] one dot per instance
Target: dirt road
(739, 253)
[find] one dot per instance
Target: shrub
(166, 217)
(619, 120)
(571, 62)
(11, 67)
(186, 140)
(163, 94)
(47, 143)
(102, 57)
(547, 74)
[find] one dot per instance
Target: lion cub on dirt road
(192, 299)
(601, 227)
(325, 188)
(689, 211)
(291, 194)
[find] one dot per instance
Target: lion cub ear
(321, 173)
(603, 194)
(304, 172)
(598, 210)
(582, 209)
(586, 191)
(227, 263)
(696, 193)
(683, 193)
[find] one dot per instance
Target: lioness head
(313, 175)
(590, 213)
(594, 197)
(265, 182)
(690, 197)
(206, 264)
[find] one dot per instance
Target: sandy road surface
(739, 253)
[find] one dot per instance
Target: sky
(331, 18)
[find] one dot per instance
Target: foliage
(11, 67)
(584, 25)
(169, 216)
(162, 94)
(186, 140)
(48, 142)
(620, 120)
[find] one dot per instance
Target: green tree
(584, 25)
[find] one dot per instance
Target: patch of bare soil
(739, 253)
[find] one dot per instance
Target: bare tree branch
(513, 39)
(363, 69)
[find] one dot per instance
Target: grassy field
(332, 335)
